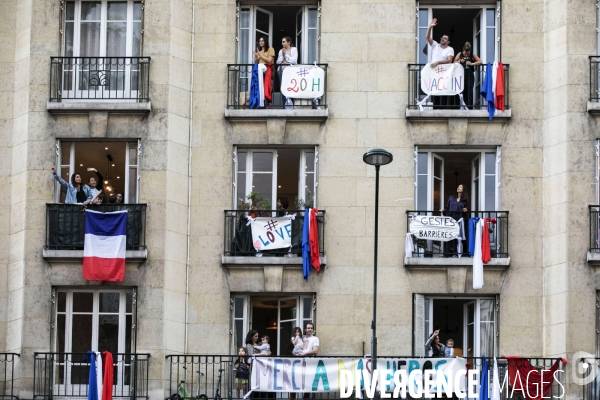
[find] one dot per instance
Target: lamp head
(377, 157)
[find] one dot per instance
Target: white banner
(434, 228)
(443, 80)
(334, 374)
(271, 233)
(303, 82)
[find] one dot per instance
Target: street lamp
(376, 157)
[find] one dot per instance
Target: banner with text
(434, 228)
(271, 233)
(443, 80)
(332, 374)
(303, 82)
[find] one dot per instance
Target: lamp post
(376, 157)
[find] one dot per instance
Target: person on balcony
(434, 346)
(455, 207)
(469, 61)
(441, 53)
(264, 57)
(288, 55)
(76, 192)
(120, 198)
(94, 184)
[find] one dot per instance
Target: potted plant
(257, 203)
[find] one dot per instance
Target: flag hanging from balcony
(104, 246)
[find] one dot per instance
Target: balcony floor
(440, 262)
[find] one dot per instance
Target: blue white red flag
(104, 246)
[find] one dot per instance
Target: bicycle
(184, 396)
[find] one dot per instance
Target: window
(301, 23)
(117, 162)
(438, 174)
(470, 322)
(275, 173)
(276, 316)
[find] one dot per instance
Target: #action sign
(344, 375)
(434, 228)
(443, 80)
(303, 82)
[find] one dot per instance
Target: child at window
(243, 372)
(298, 341)
(449, 350)
(264, 348)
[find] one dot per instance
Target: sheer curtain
(487, 327)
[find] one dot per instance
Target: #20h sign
(303, 82)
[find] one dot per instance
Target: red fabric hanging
(107, 385)
(528, 380)
(486, 254)
(268, 87)
(313, 236)
(499, 103)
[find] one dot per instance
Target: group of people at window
(264, 56)
(78, 192)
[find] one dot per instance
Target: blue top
(454, 206)
(72, 190)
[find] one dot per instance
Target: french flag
(104, 245)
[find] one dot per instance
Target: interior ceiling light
(106, 148)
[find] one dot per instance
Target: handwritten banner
(332, 374)
(303, 82)
(434, 228)
(443, 80)
(271, 233)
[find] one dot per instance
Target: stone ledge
(593, 258)
(110, 106)
(593, 107)
(259, 262)
(76, 256)
(471, 115)
(440, 263)
(245, 115)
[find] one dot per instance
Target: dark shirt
(454, 208)
(81, 196)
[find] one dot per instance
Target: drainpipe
(189, 216)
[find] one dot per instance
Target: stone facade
(547, 294)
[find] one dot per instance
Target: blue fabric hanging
(254, 92)
(93, 383)
(487, 90)
(472, 224)
(306, 246)
(484, 394)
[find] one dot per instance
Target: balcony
(238, 96)
(100, 84)
(66, 375)
(238, 248)
(65, 231)
(477, 111)
(593, 255)
(7, 375)
(436, 254)
(593, 104)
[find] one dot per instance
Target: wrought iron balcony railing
(58, 375)
(594, 216)
(197, 375)
(238, 236)
(238, 89)
(7, 375)
(65, 225)
(474, 102)
(100, 78)
(498, 234)
(594, 78)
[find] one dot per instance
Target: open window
(276, 316)
(117, 163)
(273, 22)
(470, 322)
(275, 173)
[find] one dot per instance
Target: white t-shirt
(440, 54)
(311, 342)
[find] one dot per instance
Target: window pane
(288, 310)
(422, 50)
(238, 307)
(490, 16)
(487, 327)
(312, 46)
(245, 19)
(83, 302)
(90, 11)
(60, 333)
(310, 162)
(137, 40)
(422, 163)
(490, 193)
(108, 333)
(263, 184)
(69, 29)
(262, 21)
(137, 11)
(117, 11)
(241, 161)
(307, 308)
(128, 302)
(81, 333)
(133, 153)
(116, 39)
(490, 44)
(298, 24)
(262, 162)
(128, 333)
(89, 45)
(309, 194)
(312, 18)
(70, 11)
(241, 186)
(422, 192)
(109, 302)
(239, 334)
(132, 185)
(423, 18)
(62, 302)
(490, 163)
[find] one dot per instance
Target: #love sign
(303, 82)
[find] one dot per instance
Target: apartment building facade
(154, 94)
